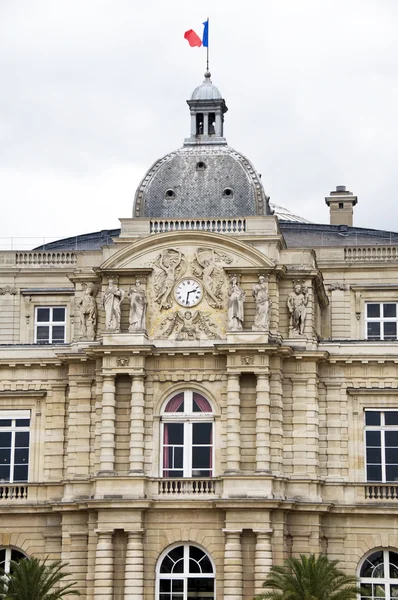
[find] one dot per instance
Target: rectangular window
(381, 442)
(381, 321)
(14, 446)
(50, 325)
(187, 449)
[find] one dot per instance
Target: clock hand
(186, 301)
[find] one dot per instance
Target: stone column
(205, 124)
(233, 565)
(263, 558)
(218, 125)
(108, 429)
(78, 560)
(104, 566)
(134, 574)
(263, 450)
(137, 417)
(233, 424)
(193, 124)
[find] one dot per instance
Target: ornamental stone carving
(111, 301)
(297, 306)
(87, 308)
(337, 286)
(122, 361)
(188, 326)
(138, 306)
(207, 266)
(7, 290)
(236, 299)
(263, 304)
(170, 265)
(247, 360)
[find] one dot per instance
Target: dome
(206, 91)
(201, 181)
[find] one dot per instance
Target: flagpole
(207, 59)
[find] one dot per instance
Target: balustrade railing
(381, 492)
(13, 492)
(212, 225)
(371, 253)
(53, 259)
(190, 487)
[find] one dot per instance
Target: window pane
(4, 472)
(201, 457)
(372, 417)
(5, 456)
(393, 557)
(22, 422)
(391, 417)
(371, 562)
(373, 455)
(22, 439)
(391, 472)
(43, 315)
(178, 461)
(391, 456)
(366, 589)
(21, 455)
(391, 438)
(58, 314)
(373, 473)
(394, 588)
(175, 433)
(196, 584)
(200, 404)
(21, 473)
(43, 335)
(373, 331)
(176, 553)
(389, 310)
(2, 558)
(176, 404)
(194, 567)
(166, 566)
(373, 438)
(390, 331)
(58, 334)
(5, 422)
(201, 433)
(5, 439)
(373, 311)
(165, 584)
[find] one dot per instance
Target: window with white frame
(185, 572)
(381, 321)
(381, 442)
(379, 576)
(14, 446)
(7, 555)
(187, 436)
(50, 325)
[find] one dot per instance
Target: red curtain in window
(203, 404)
(175, 403)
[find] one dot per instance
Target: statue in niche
(188, 325)
(111, 301)
(263, 305)
(206, 266)
(171, 265)
(297, 306)
(138, 305)
(88, 312)
(236, 299)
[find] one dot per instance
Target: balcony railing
(212, 225)
(381, 492)
(371, 253)
(13, 492)
(186, 487)
(53, 259)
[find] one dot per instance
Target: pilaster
(137, 424)
(263, 558)
(104, 566)
(134, 577)
(233, 566)
(262, 424)
(233, 423)
(108, 429)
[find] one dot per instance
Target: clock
(188, 292)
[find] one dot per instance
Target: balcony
(381, 492)
(12, 492)
(187, 487)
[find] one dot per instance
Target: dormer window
(170, 194)
(228, 193)
(200, 166)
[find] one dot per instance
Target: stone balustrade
(213, 225)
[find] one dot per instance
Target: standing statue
(171, 265)
(263, 304)
(88, 313)
(297, 306)
(138, 304)
(207, 266)
(111, 302)
(236, 298)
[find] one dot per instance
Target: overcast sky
(94, 91)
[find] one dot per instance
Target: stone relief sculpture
(263, 304)
(187, 326)
(207, 266)
(111, 301)
(236, 299)
(297, 306)
(88, 312)
(138, 306)
(170, 265)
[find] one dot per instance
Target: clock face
(188, 292)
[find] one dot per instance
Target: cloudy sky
(94, 91)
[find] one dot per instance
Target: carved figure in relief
(206, 265)
(263, 304)
(188, 325)
(138, 306)
(297, 305)
(236, 299)
(88, 312)
(170, 265)
(111, 301)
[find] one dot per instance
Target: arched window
(187, 436)
(379, 576)
(7, 555)
(185, 572)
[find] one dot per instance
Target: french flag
(194, 40)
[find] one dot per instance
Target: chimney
(341, 204)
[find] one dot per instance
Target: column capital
(137, 532)
(267, 532)
(104, 532)
(108, 376)
(232, 531)
(137, 376)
